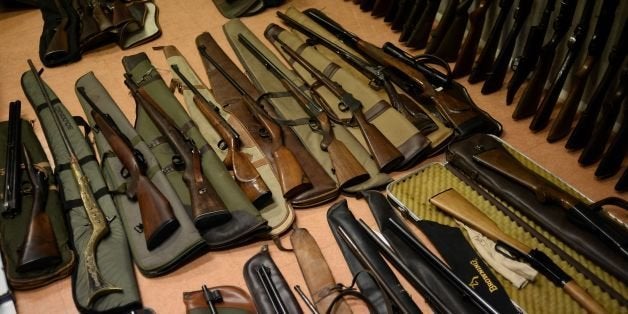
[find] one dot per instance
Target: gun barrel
(12, 204)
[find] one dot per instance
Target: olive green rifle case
(112, 253)
(13, 231)
(278, 213)
(186, 240)
(286, 106)
(246, 221)
(411, 194)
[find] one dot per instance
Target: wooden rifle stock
(244, 173)
(445, 23)
(575, 43)
(292, 178)
(347, 168)
(39, 248)
(622, 183)
(450, 45)
(525, 63)
(497, 74)
(381, 8)
(385, 154)
(464, 62)
(413, 15)
(456, 205)
(402, 13)
(484, 63)
(207, 209)
(158, 220)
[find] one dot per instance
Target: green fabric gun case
(111, 253)
(13, 230)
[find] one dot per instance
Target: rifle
(310, 305)
(244, 173)
(411, 77)
(504, 163)
(497, 74)
(445, 23)
(402, 14)
(392, 11)
(561, 126)
(448, 49)
(12, 202)
(574, 44)
(582, 131)
(291, 177)
(524, 64)
(451, 202)
(385, 154)
(96, 285)
(464, 62)
(423, 28)
(58, 47)
(347, 169)
(207, 209)
(414, 15)
(39, 247)
(444, 269)
(484, 64)
(532, 95)
(158, 220)
(594, 149)
(616, 151)
(377, 75)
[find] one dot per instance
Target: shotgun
(561, 126)
(39, 248)
(158, 220)
(582, 131)
(525, 63)
(532, 94)
(414, 15)
(423, 28)
(451, 202)
(58, 46)
(464, 62)
(385, 154)
(291, 177)
(452, 39)
(402, 13)
(244, 173)
(347, 169)
(207, 209)
(484, 63)
(445, 23)
(496, 76)
(12, 202)
(574, 44)
(97, 287)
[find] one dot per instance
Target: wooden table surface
(181, 22)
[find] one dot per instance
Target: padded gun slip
(176, 245)
(412, 195)
(13, 231)
(245, 221)
(104, 279)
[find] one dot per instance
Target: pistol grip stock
(158, 220)
(291, 177)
